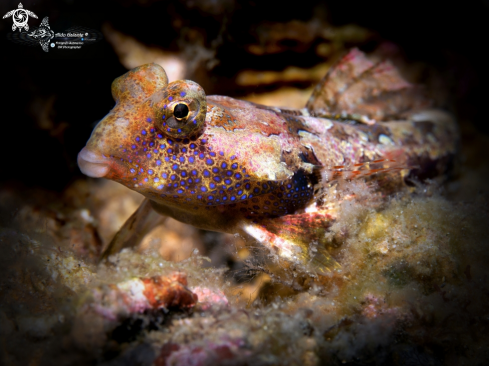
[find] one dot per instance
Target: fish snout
(93, 164)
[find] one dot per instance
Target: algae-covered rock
(411, 286)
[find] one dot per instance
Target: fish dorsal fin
(359, 89)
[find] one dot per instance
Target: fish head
(164, 141)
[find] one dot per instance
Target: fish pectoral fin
(313, 258)
(130, 235)
(321, 261)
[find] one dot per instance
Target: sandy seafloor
(412, 288)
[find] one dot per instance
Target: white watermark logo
(73, 38)
(43, 34)
(20, 17)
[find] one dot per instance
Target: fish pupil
(180, 111)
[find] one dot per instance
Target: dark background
(51, 101)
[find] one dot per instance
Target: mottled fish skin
(229, 165)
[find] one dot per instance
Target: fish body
(233, 166)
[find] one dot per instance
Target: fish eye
(180, 111)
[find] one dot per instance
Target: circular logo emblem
(20, 17)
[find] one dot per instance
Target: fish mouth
(92, 164)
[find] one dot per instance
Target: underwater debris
(140, 294)
(210, 298)
(108, 307)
